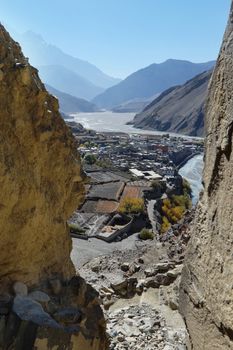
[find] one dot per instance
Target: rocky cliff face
(40, 174)
(41, 185)
(206, 299)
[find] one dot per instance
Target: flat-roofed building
(145, 174)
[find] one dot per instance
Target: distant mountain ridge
(150, 81)
(133, 106)
(71, 104)
(68, 81)
(179, 109)
(48, 57)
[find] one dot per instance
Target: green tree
(90, 159)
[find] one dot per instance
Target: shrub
(146, 234)
(183, 201)
(186, 187)
(90, 159)
(131, 206)
(173, 210)
(158, 187)
(104, 163)
(178, 212)
(167, 203)
(165, 225)
(75, 228)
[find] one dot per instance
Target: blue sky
(121, 36)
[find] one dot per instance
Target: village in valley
(132, 184)
(130, 234)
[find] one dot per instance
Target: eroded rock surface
(206, 299)
(42, 304)
(40, 173)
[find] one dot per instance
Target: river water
(113, 122)
(192, 171)
(116, 122)
(105, 121)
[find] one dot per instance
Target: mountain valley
(116, 194)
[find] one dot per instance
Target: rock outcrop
(41, 184)
(206, 299)
(40, 174)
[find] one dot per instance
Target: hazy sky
(121, 36)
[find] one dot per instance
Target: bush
(178, 212)
(165, 225)
(75, 228)
(183, 201)
(167, 203)
(90, 159)
(146, 234)
(186, 187)
(157, 185)
(173, 210)
(131, 206)
(104, 163)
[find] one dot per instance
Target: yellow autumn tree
(131, 206)
(165, 225)
(173, 209)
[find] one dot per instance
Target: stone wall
(206, 298)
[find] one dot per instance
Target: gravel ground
(143, 327)
(83, 251)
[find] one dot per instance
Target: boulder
(20, 288)
(131, 286)
(176, 272)
(140, 260)
(173, 304)
(30, 310)
(39, 296)
(163, 279)
(108, 290)
(164, 266)
(108, 303)
(151, 282)
(56, 286)
(140, 285)
(125, 267)
(150, 272)
(120, 287)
